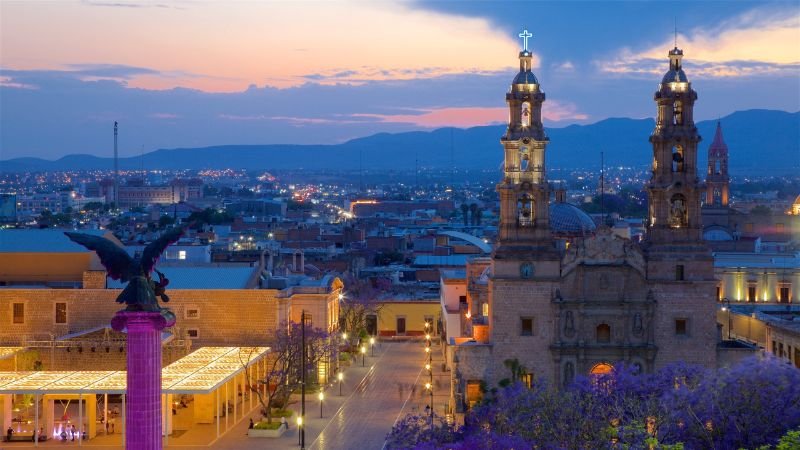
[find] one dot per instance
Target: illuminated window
(485, 310)
(527, 380)
(181, 254)
(19, 313)
(61, 313)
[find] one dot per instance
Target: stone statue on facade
(141, 292)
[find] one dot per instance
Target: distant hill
(760, 140)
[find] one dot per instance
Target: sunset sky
(198, 73)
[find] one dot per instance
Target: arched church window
(525, 210)
(677, 159)
(525, 114)
(717, 196)
(677, 113)
(678, 215)
(603, 333)
(717, 167)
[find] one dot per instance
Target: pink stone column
(143, 409)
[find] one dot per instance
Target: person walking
(250, 427)
(73, 432)
(9, 434)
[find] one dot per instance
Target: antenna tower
(116, 169)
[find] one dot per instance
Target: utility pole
(116, 169)
(303, 381)
(602, 189)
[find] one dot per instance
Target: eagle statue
(141, 292)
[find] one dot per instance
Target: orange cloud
(226, 46)
(754, 43)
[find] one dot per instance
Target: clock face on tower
(526, 270)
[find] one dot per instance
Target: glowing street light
(429, 387)
(363, 355)
(321, 398)
(340, 376)
(299, 427)
(372, 345)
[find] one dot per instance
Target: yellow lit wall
(413, 311)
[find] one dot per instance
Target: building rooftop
(198, 277)
(199, 372)
(48, 240)
(454, 274)
(431, 260)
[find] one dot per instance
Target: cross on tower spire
(525, 35)
(676, 32)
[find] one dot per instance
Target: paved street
(390, 384)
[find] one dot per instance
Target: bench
(23, 437)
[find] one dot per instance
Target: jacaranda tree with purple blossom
(753, 404)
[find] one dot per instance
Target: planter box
(253, 433)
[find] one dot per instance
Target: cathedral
(555, 306)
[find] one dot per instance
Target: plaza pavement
(389, 385)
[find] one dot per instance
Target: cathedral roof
(569, 219)
(718, 146)
(675, 76)
(525, 77)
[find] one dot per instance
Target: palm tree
(473, 208)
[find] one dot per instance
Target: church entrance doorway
(601, 369)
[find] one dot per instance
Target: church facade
(560, 308)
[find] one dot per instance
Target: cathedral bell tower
(674, 187)
(524, 193)
(717, 179)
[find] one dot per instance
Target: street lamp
(727, 307)
(340, 376)
(429, 387)
(363, 355)
(299, 427)
(372, 345)
(321, 398)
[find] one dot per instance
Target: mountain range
(758, 140)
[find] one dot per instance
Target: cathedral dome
(675, 76)
(525, 77)
(569, 219)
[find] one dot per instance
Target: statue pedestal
(143, 409)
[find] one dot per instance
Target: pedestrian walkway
(376, 391)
